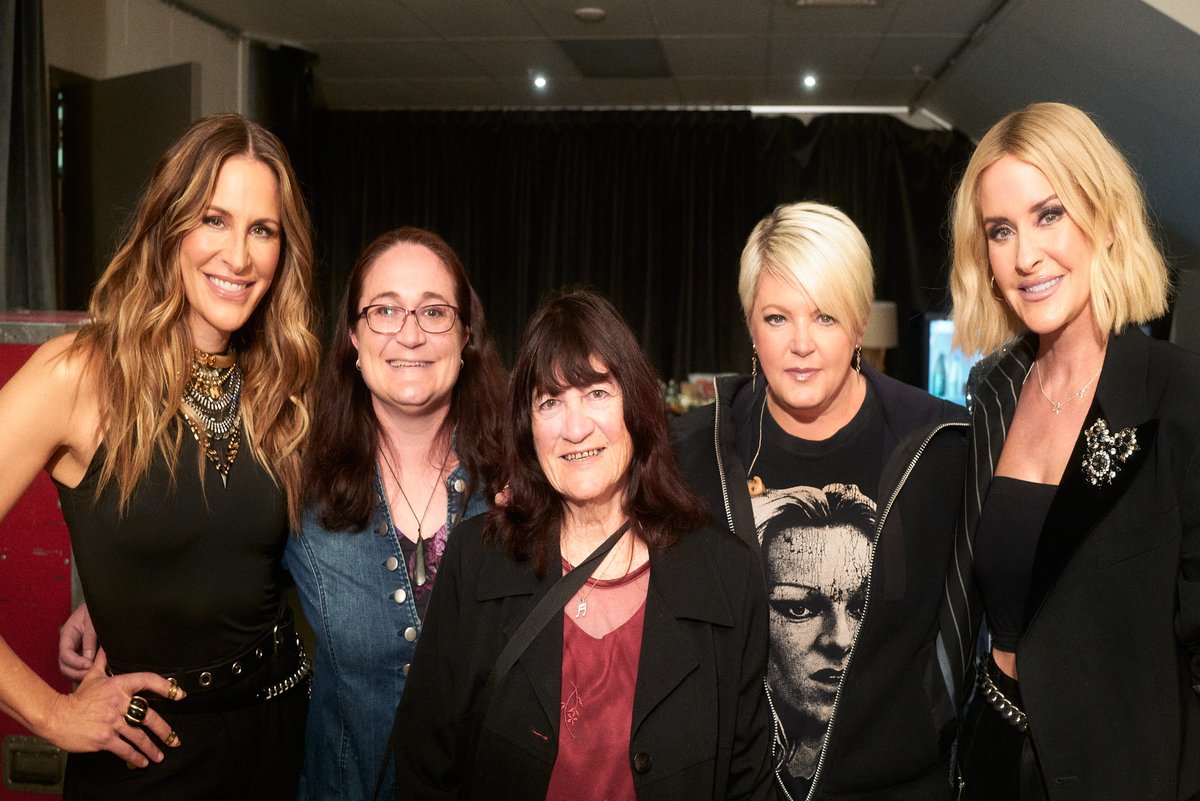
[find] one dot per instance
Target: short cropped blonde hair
(1101, 195)
(818, 249)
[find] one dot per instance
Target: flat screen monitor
(947, 367)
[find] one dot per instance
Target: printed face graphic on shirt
(816, 548)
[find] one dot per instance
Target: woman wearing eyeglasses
(403, 448)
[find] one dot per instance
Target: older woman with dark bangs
(637, 674)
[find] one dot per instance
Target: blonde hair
(1101, 195)
(817, 249)
(139, 346)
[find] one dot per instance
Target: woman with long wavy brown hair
(172, 425)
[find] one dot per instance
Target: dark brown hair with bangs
(567, 337)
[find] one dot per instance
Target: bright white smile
(574, 457)
(1042, 286)
(226, 285)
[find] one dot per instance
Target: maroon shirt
(601, 649)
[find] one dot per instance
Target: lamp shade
(881, 326)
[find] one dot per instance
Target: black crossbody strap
(546, 608)
(533, 623)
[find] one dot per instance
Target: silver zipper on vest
(837, 698)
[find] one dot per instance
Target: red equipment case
(35, 579)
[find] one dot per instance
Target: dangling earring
(858, 358)
(357, 366)
(753, 370)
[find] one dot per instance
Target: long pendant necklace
(420, 575)
(1056, 406)
(755, 484)
(212, 408)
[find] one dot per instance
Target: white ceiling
(1134, 64)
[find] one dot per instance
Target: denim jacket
(356, 594)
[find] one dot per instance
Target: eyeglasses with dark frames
(384, 318)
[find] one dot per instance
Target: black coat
(891, 734)
(700, 725)
(1111, 645)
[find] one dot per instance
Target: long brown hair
(341, 461)
(566, 336)
(139, 345)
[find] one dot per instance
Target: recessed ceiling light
(539, 81)
(810, 81)
(590, 14)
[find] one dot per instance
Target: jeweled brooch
(1106, 452)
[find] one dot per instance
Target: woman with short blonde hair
(1081, 544)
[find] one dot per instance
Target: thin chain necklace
(212, 407)
(581, 608)
(1056, 406)
(419, 572)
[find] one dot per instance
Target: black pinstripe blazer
(1111, 643)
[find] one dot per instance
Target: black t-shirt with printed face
(816, 528)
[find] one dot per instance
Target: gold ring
(173, 692)
(136, 712)
(172, 738)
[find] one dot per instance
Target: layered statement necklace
(212, 408)
(420, 571)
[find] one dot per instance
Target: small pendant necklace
(1056, 406)
(420, 575)
(581, 609)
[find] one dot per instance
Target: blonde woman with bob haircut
(1082, 510)
(172, 426)
(845, 667)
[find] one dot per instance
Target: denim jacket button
(410, 634)
(405, 669)
(382, 529)
(391, 563)
(400, 596)
(378, 498)
(459, 485)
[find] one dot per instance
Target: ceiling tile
(394, 60)
(624, 18)
(720, 91)
(636, 92)
(733, 56)
(911, 55)
(939, 17)
(689, 18)
(518, 58)
(490, 19)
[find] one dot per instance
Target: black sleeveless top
(1010, 525)
(188, 576)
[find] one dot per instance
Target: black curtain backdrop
(650, 207)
